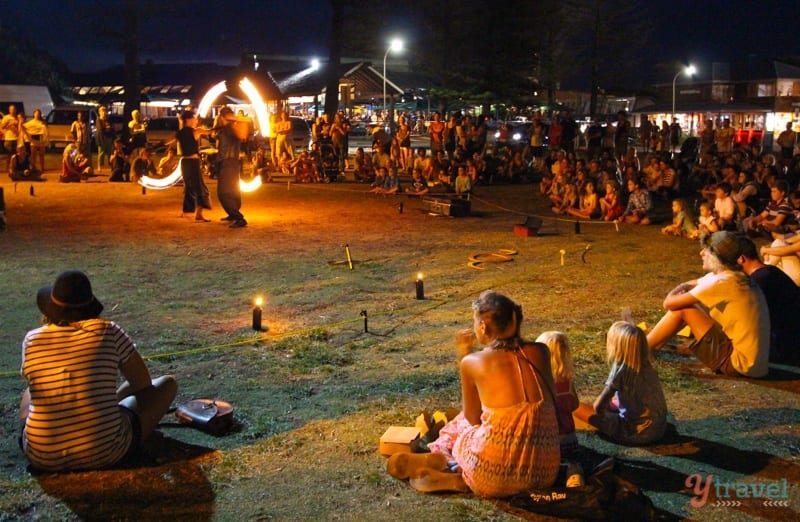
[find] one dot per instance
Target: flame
(163, 183)
(419, 276)
(250, 186)
(258, 104)
(259, 301)
(212, 94)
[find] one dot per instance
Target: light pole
(396, 46)
(689, 70)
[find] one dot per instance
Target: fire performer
(195, 192)
(229, 145)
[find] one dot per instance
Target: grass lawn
(314, 392)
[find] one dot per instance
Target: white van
(59, 123)
(27, 98)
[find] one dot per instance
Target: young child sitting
(706, 222)
(682, 222)
(566, 397)
(725, 207)
(631, 409)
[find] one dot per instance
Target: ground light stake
(349, 259)
(257, 314)
(420, 286)
(364, 315)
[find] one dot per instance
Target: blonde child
(631, 409)
(566, 397)
(682, 222)
(706, 222)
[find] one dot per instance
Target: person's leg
(151, 403)
(228, 189)
(672, 322)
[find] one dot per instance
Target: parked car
(60, 119)
(301, 133)
(160, 131)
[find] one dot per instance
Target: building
(759, 98)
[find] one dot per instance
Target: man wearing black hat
(73, 415)
(726, 312)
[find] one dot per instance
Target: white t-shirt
(740, 308)
(725, 208)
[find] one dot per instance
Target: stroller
(329, 169)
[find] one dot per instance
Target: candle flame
(259, 301)
(419, 276)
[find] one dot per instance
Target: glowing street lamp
(396, 46)
(689, 70)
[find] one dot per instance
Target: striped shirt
(74, 421)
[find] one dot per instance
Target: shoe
(228, 218)
(239, 223)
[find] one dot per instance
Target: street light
(689, 70)
(396, 46)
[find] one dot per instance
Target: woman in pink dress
(505, 440)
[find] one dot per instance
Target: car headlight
(517, 136)
(496, 134)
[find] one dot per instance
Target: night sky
(700, 31)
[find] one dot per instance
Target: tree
(22, 62)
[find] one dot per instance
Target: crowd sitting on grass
(519, 402)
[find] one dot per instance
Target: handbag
(212, 416)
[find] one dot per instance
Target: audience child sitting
(389, 181)
(639, 204)
(610, 205)
(566, 396)
(682, 221)
(557, 190)
(363, 171)
(776, 217)
(631, 409)
(706, 222)
(725, 207)
(569, 200)
(418, 186)
(589, 207)
(463, 183)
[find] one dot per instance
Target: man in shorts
(726, 312)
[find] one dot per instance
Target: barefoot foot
(405, 465)
(432, 481)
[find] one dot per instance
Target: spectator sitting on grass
(74, 416)
(463, 183)
(727, 313)
(640, 204)
(20, 168)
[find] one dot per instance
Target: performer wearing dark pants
(230, 197)
(195, 195)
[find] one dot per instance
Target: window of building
(765, 89)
